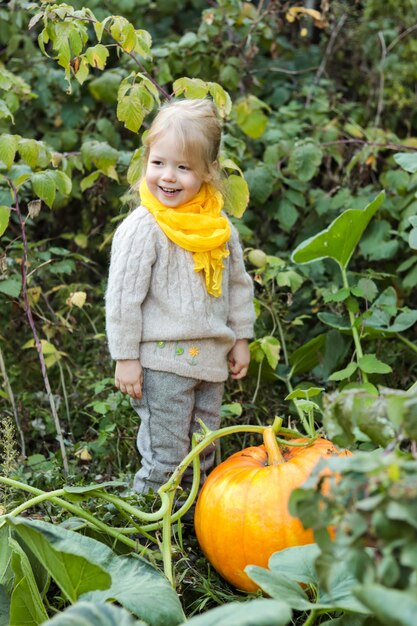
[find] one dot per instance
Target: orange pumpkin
(242, 515)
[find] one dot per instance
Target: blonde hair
(197, 126)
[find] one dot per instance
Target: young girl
(179, 306)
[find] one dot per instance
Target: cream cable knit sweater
(158, 308)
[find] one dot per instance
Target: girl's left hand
(239, 359)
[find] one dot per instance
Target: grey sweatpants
(168, 411)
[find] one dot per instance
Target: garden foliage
(320, 159)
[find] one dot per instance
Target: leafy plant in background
(312, 138)
(372, 505)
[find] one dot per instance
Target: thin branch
(380, 105)
(386, 146)
(131, 54)
(260, 14)
(327, 53)
(283, 70)
(29, 315)
(403, 34)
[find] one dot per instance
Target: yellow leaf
(34, 294)
(237, 195)
(77, 298)
(83, 454)
(295, 12)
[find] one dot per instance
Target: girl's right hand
(128, 377)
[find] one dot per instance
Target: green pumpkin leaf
(86, 489)
(339, 240)
(4, 607)
(259, 612)
(390, 606)
(297, 563)
(278, 585)
(93, 614)
(26, 606)
(294, 565)
(6, 574)
(74, 574)
(83, 566)
(371, 365)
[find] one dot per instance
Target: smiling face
(170, 175)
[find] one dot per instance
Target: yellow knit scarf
(197, 226)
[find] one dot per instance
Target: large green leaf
(371, 365)
(11, 286)
(4, 607)
(68, 557)
(133, 104)
(307, 356)
(391, 606)
(407, 160)
(92, 614)
(44, 187)
(237, 195)
(305, 160)
(26, 606)
(81, 565)
(136, 585)
(292, 566)
(340, 239)
(260, 612)
(4, 218)
(297, 563)
(99, 154)
(279, 586)
(6, 574)
(8, 148)
(29, 150)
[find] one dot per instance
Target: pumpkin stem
(274, 453)
(276, 426)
